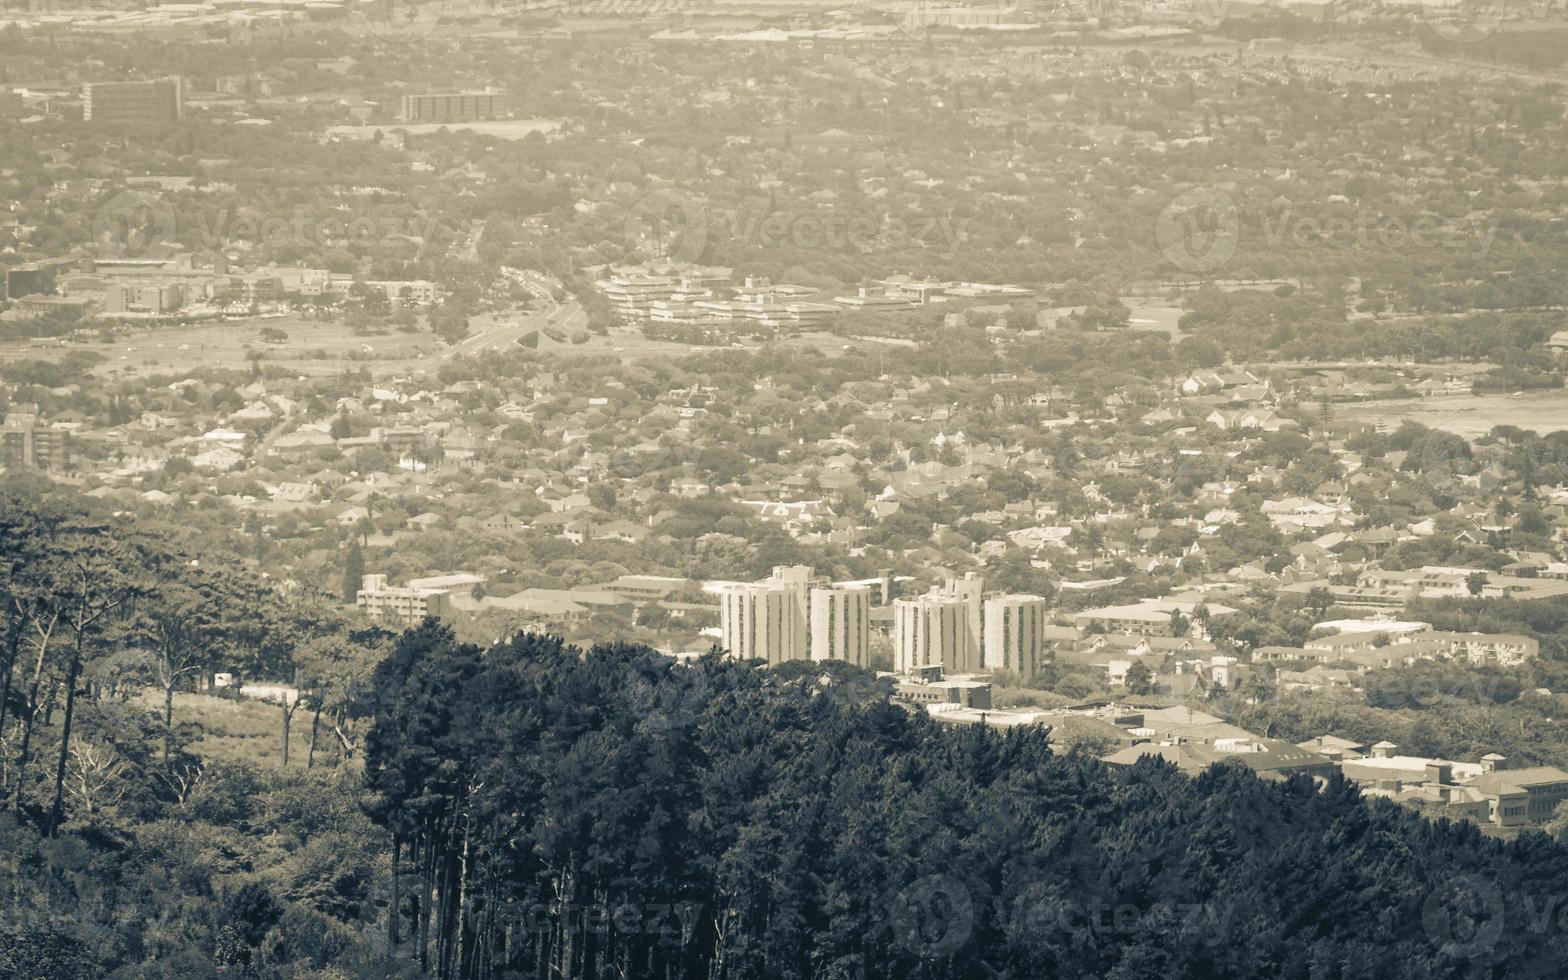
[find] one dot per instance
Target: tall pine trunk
(168, 721)
(315, 726)
(31, 719)
(393, 911)
(427, 873)
(57, 810)
(462, 899)
(13, 650)
(50, 701)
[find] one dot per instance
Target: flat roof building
(26, 443)
(1014, 633)
(841, 624)
(933, 630)
(142, 297)
(765, 621)
(403, 605)
(1150, 617)
(439, 107)
(158, 101)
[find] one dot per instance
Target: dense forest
(534, 809)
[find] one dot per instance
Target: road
(507, 331)
(1400, 53)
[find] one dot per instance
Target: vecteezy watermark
(622, 9)
(1364, 229)
(669, 923)
(134, 222)
(1430, 679)
(1447, 453)
(934, 916)
(675, 225)
(1211, 13)
(669, 224)
(1465, 21)
(1464, 916)
(1196, 923)
(1199, 229)
(1470, 21)
(408, 21)
(220, 227)
(662, 710)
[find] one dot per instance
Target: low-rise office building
(400, 604)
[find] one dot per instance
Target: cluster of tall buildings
(792, 616)
(956, 627)
(959, 628)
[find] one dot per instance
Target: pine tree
(353, 571)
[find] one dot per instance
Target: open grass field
(245, 731)
(1469, 415)
(1156, 319)
(505, 129)
(321, 348)
(313, 348)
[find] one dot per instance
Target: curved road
(509, 330)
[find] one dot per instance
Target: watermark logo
(678, 10)
(665, 923)
(664, 712)
(1199, 229)
(408, 21)
(1445, 453)
(676, 225)
(934, 916)
(1211, 13)
(1464, 916)
(1044, 912)
(1466, 21)
(669, 224)
(1453, 449)
(1365, 230)
(131, 223)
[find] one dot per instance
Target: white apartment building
(1014, 633)
(764, 620)
(933, 629)
(841, 624)
(403, 605)
(971, 589)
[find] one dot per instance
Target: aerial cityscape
(697, 489)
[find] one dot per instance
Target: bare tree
(289, 706)
(95, 772)
(185, 781)
(44, 627)
(95, 583)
